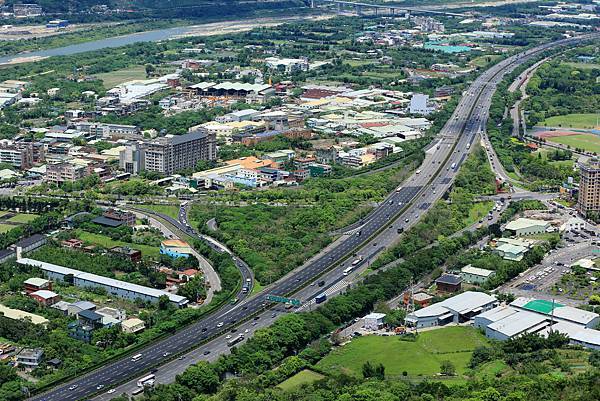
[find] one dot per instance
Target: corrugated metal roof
(111, 282)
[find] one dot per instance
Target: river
(148, 36)
(207, 29)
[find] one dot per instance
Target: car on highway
(111, 391)
(220, 324)
(206, 352)
(228, 336)
(166, 354)
(99, 386)
(73, 387)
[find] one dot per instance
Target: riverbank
(177, 30)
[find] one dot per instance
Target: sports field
(589, 142)
(22, 218)
(419, 358)
(589, 121)
(303, 377)
(114, 78)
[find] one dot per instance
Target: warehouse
(113, 287)
(475, 275)
(457, 309)
(523, 226)
(558, 311)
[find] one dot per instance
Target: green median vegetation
(276, 230)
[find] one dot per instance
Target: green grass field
(169, 210)
(256, 288)
(300, 378)
(419, 358)
(106, 242)
(572, 121)
(478, 211)
(22, 218)
(589, 142)
(114, 78)
(4, 228)
(482, 61)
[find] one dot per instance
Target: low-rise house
(35, 284)
(475, 275)
(374, 321)
(80, 306)
(45, 297)
(132, 325)
(448, 283)
(115, 313)
(128, 253)
(29, 358)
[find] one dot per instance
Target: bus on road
(147, 380)
(347, 270)
(136, 357)
(235, 340)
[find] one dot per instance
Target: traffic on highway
(380, 229)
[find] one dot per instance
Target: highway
(401, 209)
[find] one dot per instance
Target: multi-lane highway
(400, 209)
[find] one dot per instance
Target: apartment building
(589, 187)
(63, 172)
(170, 153)
(17, 155)
(132, 159)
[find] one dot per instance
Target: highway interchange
(401, 209)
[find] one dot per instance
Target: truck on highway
(320, 298)
(418, 171)
(357, 260)
(235, 340)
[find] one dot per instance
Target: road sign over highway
(283, 300)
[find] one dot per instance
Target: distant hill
(165, 8)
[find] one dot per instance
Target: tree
(150, 69)
(163, 302)
(200, 377)
(447, 368)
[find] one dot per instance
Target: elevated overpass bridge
(361, 7)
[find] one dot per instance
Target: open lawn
(256, 288)
(106, 242)
(589, 142)
(5, 228)
(169, 210)
(419, 358)
(22, 218)
(303, 377)
(482, 61)
(114, 78)
(478, 211)
(572, 121)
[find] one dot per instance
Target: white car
(112, 390)
(228, 336)
(220, 324)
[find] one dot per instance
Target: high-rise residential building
(171, 153)
(133, 158)
(589, 187)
